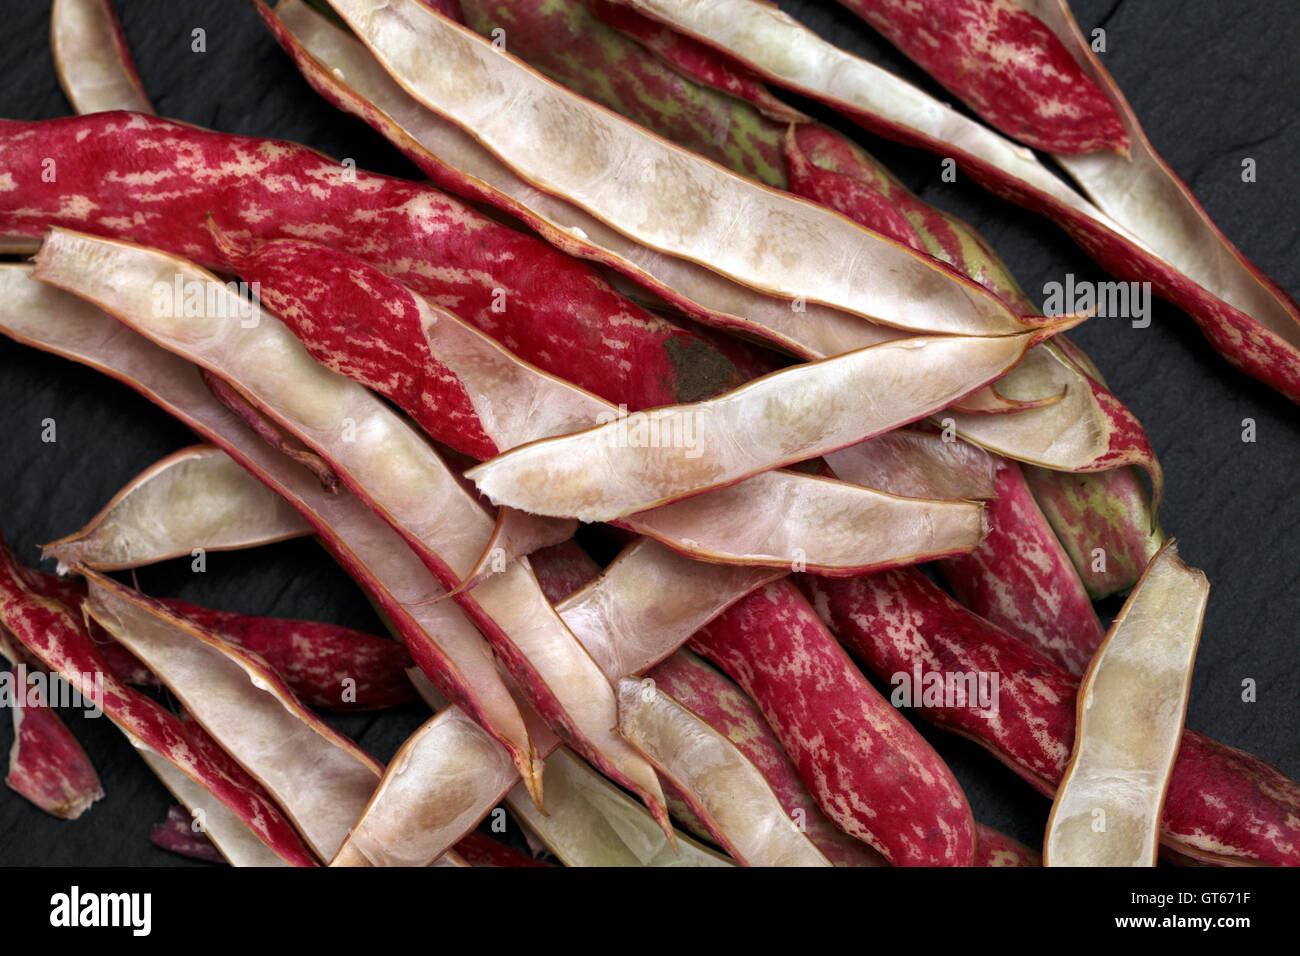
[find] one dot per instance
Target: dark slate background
(1214, 83)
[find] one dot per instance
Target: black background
(1213, 82)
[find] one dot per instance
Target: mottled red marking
(362, 323)
(55, 635)
(176, 834)
(724, 707)
(694, 60)
(1127, 441)
(521, 667)
(1006, 65)
(853, 197)
(1222, 806)
(46, 764)
(566, 41)
(1021, 579)
(898, 618)
(1225, 805)
(869, 770)
(1127, 518)
(312, 657)
(257, 669)
(1242, 340)
(564, 569)
(555, 569)
(161, 381)
(997, 849)
(1110, 510)
(680, 364)
(933, 232)
(316, 658)
(70, 592)
(154, 182)
(478, 849)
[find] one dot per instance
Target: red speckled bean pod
(313, 657)
(46, 764)
(997, 849)
(176, 834)
(1005, 65)
(563, 39)
(56, 635)
(724, 707)
(1158, 233)
(868, 768)
(1021, 579)
(1223, 806)
(152, 181)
